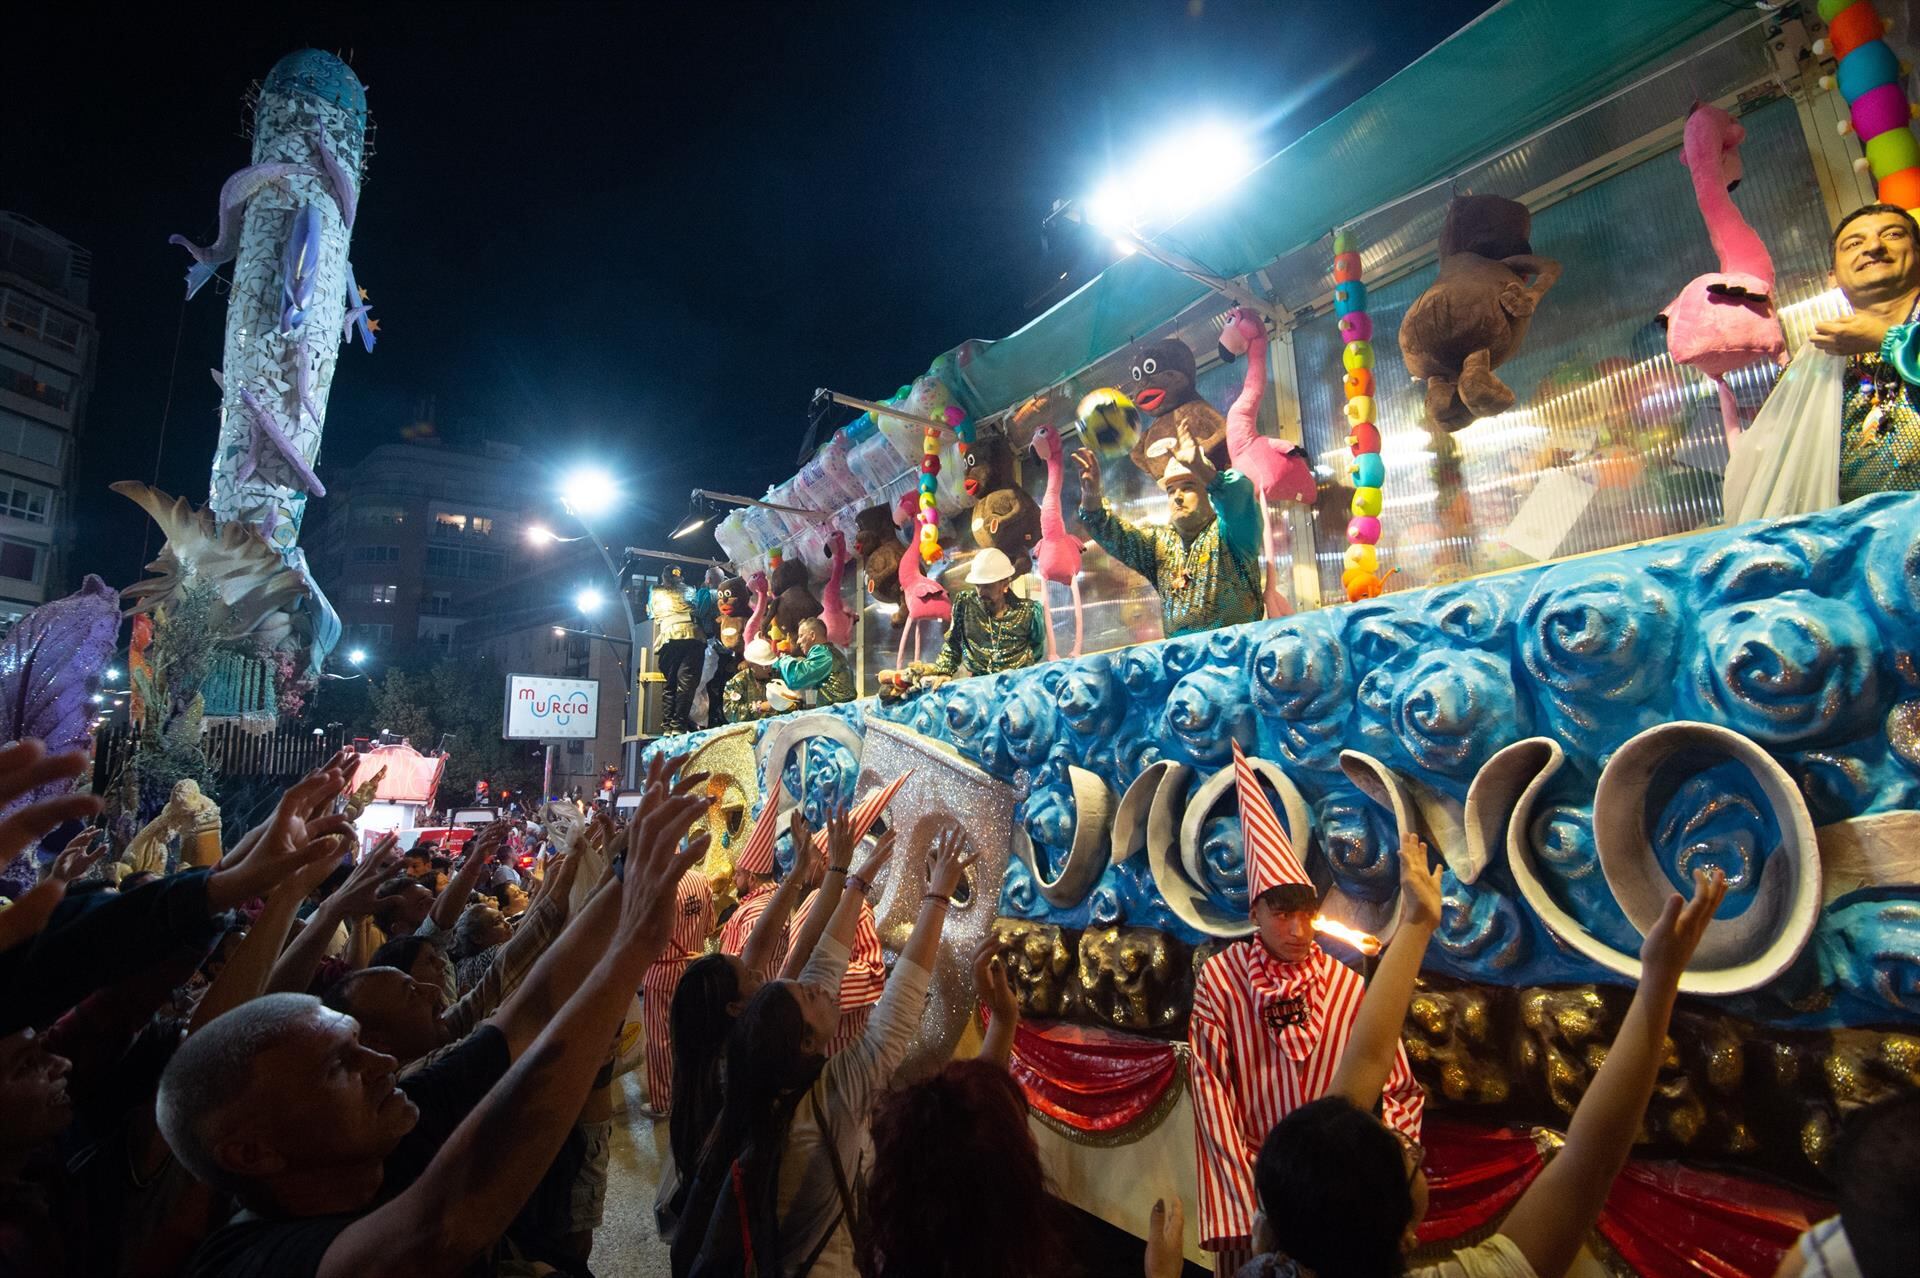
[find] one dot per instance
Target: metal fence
(235, 751)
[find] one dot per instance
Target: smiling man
(1876, 263)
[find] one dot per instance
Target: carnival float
(1503, 611)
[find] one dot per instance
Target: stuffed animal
(793, 601)
(876, 542)
(1471, 319)
(1164, 389)
(1004, 516)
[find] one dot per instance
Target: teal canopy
(1518, 68)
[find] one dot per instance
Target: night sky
(640, 232)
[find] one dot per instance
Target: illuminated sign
(540, 709)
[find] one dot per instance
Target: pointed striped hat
(1271, 862)
(866, 812)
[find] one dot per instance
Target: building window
(471, 565)
(453, 524)
(21, 560)
(376, 554)
(24, 499)
(379, 516)
(24, 376)
(34, 318)
(34, 441)
(379, 634)
(577, 745)
(377, 593)
(440, 603)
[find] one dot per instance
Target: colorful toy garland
(1868, 77)
(929, 517)
(1362, 576)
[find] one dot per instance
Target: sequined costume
(679, 646)
(1879, 422)
(822, 672)
(743, 693)
(1211, 581)
(985, 644)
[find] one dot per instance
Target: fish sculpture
(300, 267)
(234, 195)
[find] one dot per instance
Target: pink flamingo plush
(1277, 468)
(1057, 556)
(1725, 320)
(926, 599)
(762, 600)
(833, 607)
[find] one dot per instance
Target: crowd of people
(309, 1060)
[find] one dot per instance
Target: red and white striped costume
(692, 921)
(866, 977)
(740, 924)
(1267, 1035)
(1252, 1065)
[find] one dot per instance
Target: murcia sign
(539, 708)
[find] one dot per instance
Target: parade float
(1511, 619)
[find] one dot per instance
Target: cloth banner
(1090, 1080)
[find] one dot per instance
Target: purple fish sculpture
(50, 664)
(268, 432)
(300, 267)
(357, 309)
(234, 194)
(337, 178)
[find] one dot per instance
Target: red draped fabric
(1089, 1079)
(1665, 1219)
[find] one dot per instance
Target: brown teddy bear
(1005, 517)
(1164, 389)
(1472, 318)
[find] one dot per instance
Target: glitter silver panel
(944, 791)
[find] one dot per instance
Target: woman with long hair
(988, 1167)
(787, 1155)
(705, 1005)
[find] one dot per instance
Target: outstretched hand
(948, 864)
(291, 840)
(82, 853)
(655, 863)
(356, 896)
(876, 860)
(1089, 472)
(1165, 1228)
(26, 766)
(839, 839)
(1420, 903)
(991, 983)
(1674, 937)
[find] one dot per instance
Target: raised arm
(1559, 1208)
(826, 903)
(1116, 536)
(482, 1176)
(1373, 1045)
(527, 1005)
(1003, 1005)
(771, 927)
(459, 890)
(349, 904)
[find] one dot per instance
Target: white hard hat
(988, 566)
(759, 653)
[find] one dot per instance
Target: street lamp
(113, 674)
(587, 491)
(588, 601)
(357, 657)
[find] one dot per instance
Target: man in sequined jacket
(1876, 263)
(1205, 561)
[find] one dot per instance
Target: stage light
(589, 491)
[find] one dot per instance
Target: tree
(434, 697)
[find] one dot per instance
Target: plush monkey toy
(1005, 517)
(1164, 388)
(876, 543)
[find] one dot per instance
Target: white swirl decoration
(1739, 953)
(1795, 668)
(1597, 644)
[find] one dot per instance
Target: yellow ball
(1109, 422)
(1366, 501)
(1363, 557)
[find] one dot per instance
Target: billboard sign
(539, 708)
